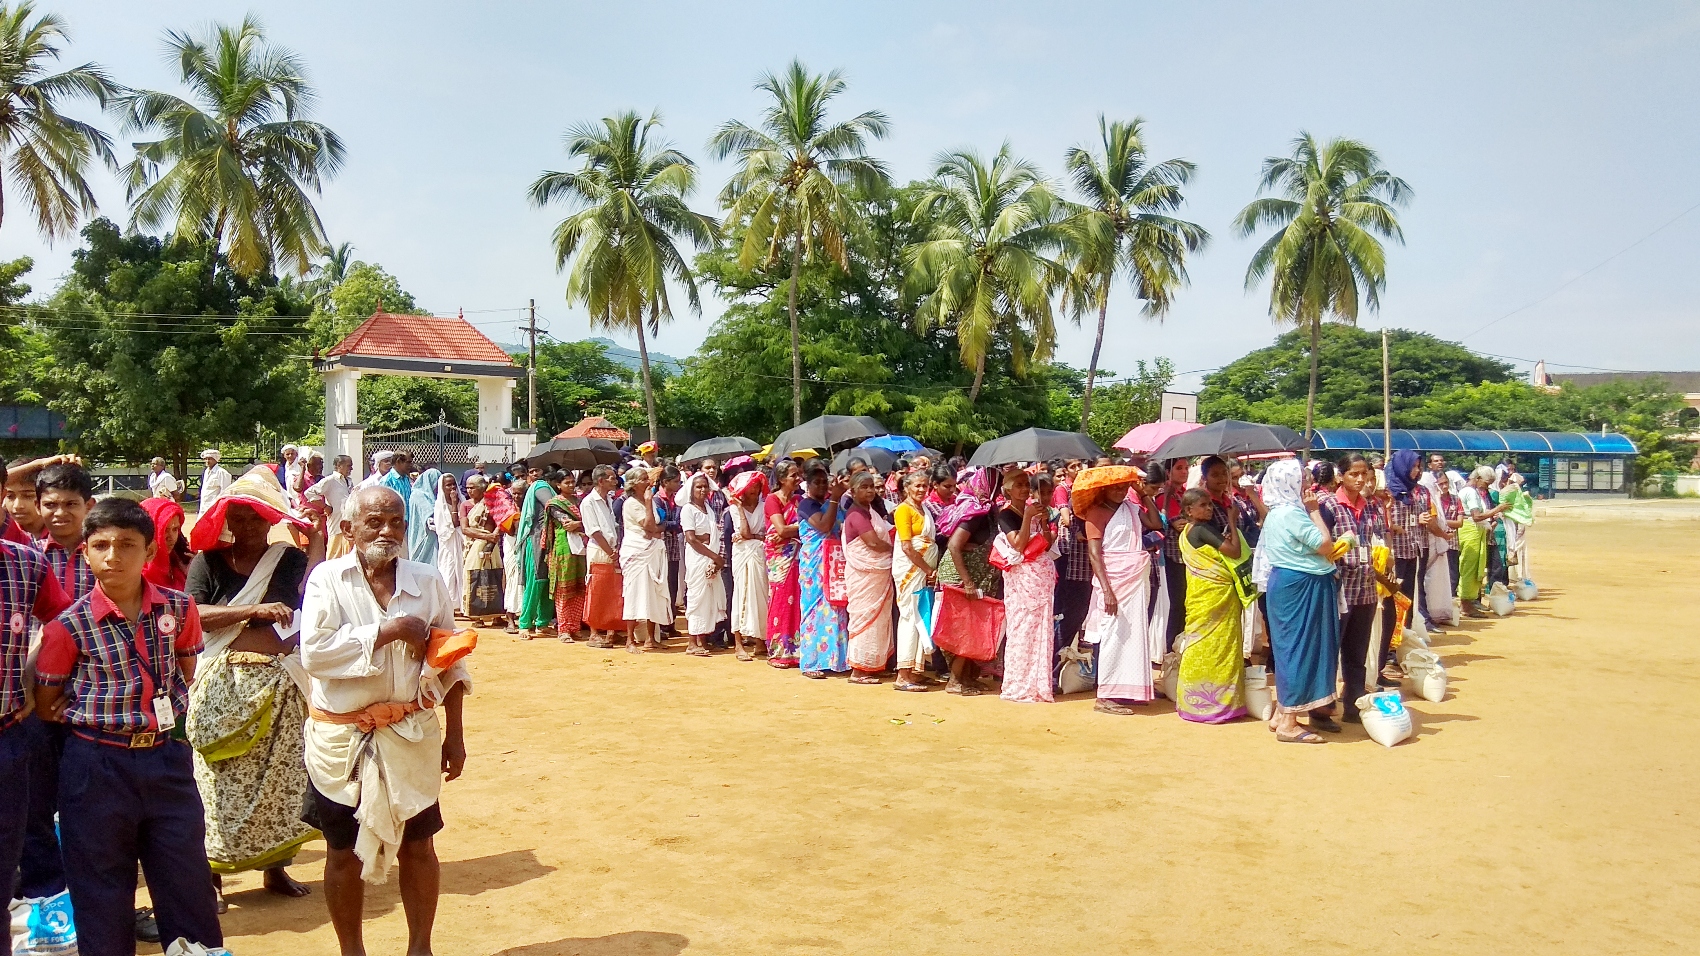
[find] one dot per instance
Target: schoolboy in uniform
(115, 669)
(63, 493)
(27, 589)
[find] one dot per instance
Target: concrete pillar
(342, 418)
(495, 409)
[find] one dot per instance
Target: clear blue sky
(1540, 137)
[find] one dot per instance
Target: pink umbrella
(1150, 436)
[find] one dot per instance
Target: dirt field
(646, 806)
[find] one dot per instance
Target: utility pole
(1386, 402)
(532, 376)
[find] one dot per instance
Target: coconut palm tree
(1123, 229)
(238, 161)
(790, 186)
(44, 152)
(1332, 201)
(988, 266)
(330, 271)
(630, 196)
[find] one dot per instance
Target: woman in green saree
(537, 606)
(568, 572)
(1212, 671)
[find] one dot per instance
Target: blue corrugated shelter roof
(1478, 442)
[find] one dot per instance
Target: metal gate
(442, 446)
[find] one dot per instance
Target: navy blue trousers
(42, 869)
(121, 807)
(14, 799)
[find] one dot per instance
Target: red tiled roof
(597, 427)
(434, 337)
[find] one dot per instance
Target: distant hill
(619, 353)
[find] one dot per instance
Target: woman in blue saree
(822, 636)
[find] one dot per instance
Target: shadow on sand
(634, 943)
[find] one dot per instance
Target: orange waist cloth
(375, 717)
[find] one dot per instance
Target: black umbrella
(1035, 444)
(826, 432)
(718, 448)
(878, 459)
(574, 454)
(1230, 437)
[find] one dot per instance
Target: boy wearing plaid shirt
(27, 589)
(115, 669)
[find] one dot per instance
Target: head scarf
(647, 446)
(260, 490)
(1454, 482)
(1398, 471)
(973, 499)
(743, 481)
(1091, 483)
(1283, 484)
(162, 570)
(211, 453)
(421, 510)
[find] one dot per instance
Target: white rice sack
(1169, 684)
(1385, 718)
(1437, 592)
(1500, 600)
(1427, 674)
(1259, 699)
(1412, 642)
(1526, 590)
(43, 926)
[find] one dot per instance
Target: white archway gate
(423, 346)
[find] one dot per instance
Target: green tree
(156, 349)
(575, 379)
(330, 271)
(21, 347)
(238, 161)
(1271, 383)
(791, 186)
(44, 152)
(390, 403)
(1124, 229)
(1647, 411)
(1333, 201)
(1131, 401)
(629, 196)
(362, 291)
(985, 268)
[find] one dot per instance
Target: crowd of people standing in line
(945, 574)
(275, 657)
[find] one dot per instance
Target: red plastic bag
(967, 627)
(836, 593)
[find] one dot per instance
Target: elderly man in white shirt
(380, 466)
(376, 755)
(162, 483)
(214, 479)
(605, 601)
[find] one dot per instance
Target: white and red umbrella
(1149, 437)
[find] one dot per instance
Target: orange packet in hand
(446, 648)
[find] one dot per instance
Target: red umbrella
(1150, 436)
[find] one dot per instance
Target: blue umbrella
(897, 444)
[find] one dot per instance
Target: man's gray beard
(380, 552)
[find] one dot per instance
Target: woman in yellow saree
(1212, 671)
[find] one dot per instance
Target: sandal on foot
(910, 687)
(1302, 737)
(815, 675)
(864, 679)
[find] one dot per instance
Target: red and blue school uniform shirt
(112, 668)
(72, 569)
(11, 531)
(1406, 534)
(27, 590)
(1357, 577)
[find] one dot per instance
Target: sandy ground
(646, 806)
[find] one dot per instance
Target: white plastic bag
(1437, 592)
(44, 926)
(1076, 672)
(1259, 701)
(1427, 674)
(1526, 590)
(1385, 718)
(1159, 622)
(1500, 599)
(1415, 628)
(1252, 629)
(182, 947)
(1169, 684)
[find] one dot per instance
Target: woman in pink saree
(783, 607)
(1023, 547)
(867, 581)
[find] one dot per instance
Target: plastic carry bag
(1076, 673)
(1385, 718)
(1437, 592)
(44, 926)
(1259, 700)
(1169, 684)
(1158, 625)
(1427, 674)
